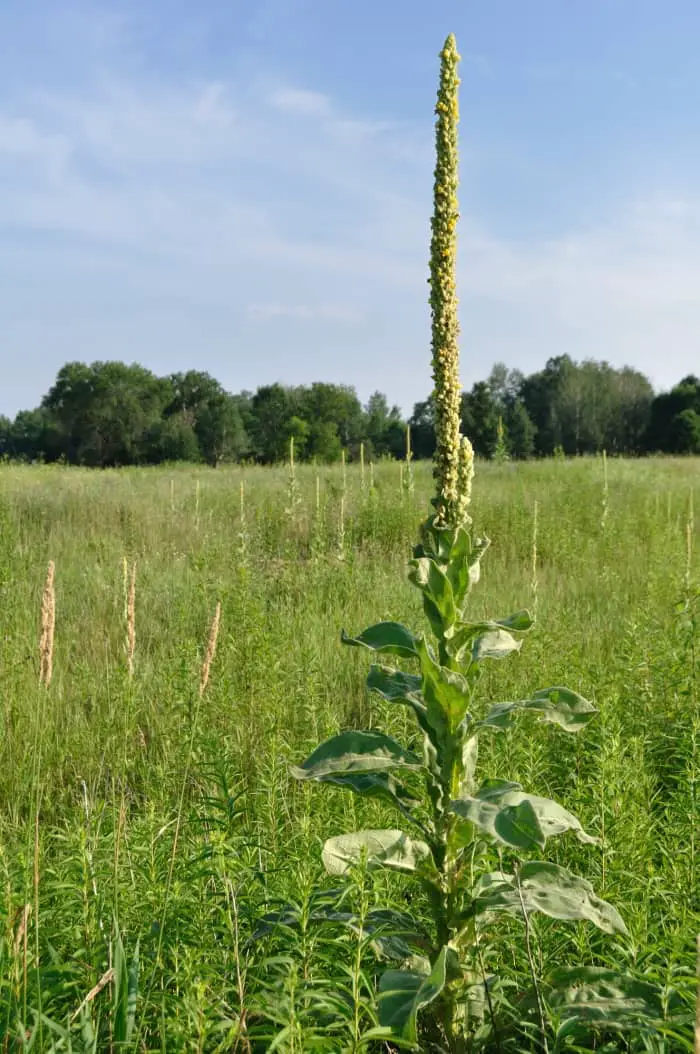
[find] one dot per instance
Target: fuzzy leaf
(470, 756)
(496, 797)
(403, 993)
(385, 848)
(496, 644)
(446, 693)
(513, 825)
(395, 686)
(389, 637)
(550, 889)
(465, 633)
(438, 598)
(457, 568)
(378, 785)
(560, 706)
(584, 997)
(355, 752)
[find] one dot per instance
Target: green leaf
(390, 637)
(470, 756)
(457, 569)
(446, 693)
(395, 686)
(479, 547)
(126, 985)
(360, 762)
(496, 644)
(393, 934)
(491, 809)
(547, 888)
(512, 825)
(403, 993)
(593, 996)
(465, 633)
(391, 848)
(352, 752)
(438, 598)
(519, 621)
(560, 706)
(378, 785)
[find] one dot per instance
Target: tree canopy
(109, 414)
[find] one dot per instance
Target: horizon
(243, 194)
(406, 412)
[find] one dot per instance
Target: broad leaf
(392, 849)
(591, 996)
(390, 637)
(360, 761)
(491, 809)
(513, 825)
(560, 706)
(395, 934)
(395, 686)
(379, 785)
(550, 889)
(496, 644)
(466, 633)
(355, 752)
(403, 993)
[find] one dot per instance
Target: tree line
(111, 414)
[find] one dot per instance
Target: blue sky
(245, 187)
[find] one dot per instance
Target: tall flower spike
(443, 295)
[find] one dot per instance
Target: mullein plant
(471, 842)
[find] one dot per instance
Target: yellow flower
(454, 458)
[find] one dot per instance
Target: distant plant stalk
(48, 624)
(454, 457)
(131, 622)
(211, 650)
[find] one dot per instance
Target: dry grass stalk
(21, 931)
(48, 624)
(211, 650)
(107, 978)
(131, 621)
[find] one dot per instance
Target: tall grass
(147, 825)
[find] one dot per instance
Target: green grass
(178, 823)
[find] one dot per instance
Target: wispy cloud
(256, 227)
(305, 312)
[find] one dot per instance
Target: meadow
(149, 824)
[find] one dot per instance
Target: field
(145, 831)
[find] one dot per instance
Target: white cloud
(301, 101)
(254, 228)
